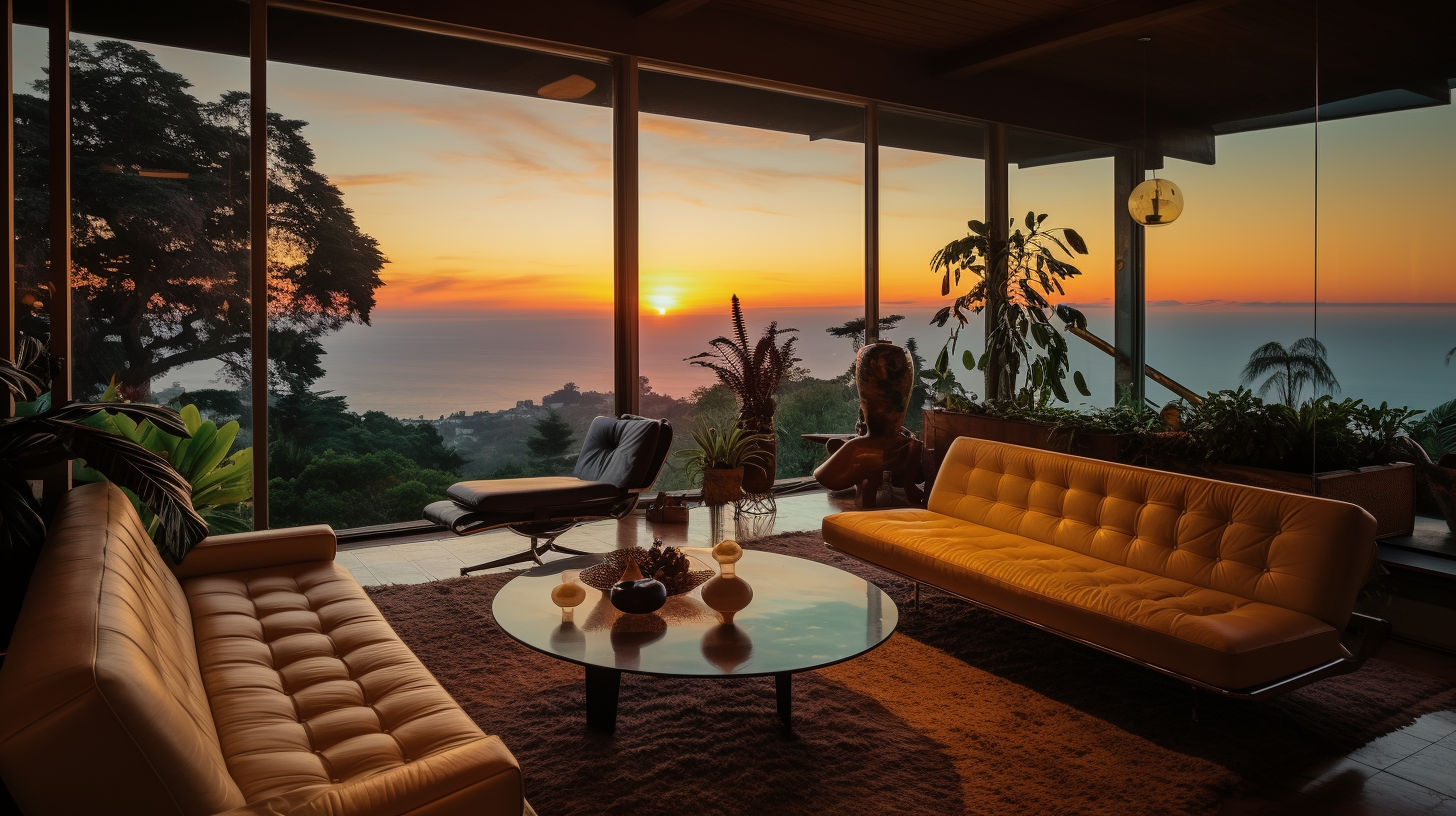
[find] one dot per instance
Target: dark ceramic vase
(638, 597)
(884, 376)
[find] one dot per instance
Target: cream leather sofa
(1231, 588)
(258, 679)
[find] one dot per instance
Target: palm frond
(155, 483)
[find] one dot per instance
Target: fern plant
(752, 371)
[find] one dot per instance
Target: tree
(161, 225)
(855, 329)
(1289, 369)
(568, 394)
(551, 441)
(306, 424)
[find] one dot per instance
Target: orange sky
(495, 202)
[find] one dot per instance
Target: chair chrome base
(533, 554)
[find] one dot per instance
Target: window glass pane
(32, 219)
(932, 182)
(1386, 273)
(1071, 183)
(440, 265)
(757, 194)
(160, 237)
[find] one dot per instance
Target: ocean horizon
(432, 363)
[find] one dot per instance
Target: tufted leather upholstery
(276, 689)
(621, 451)
(1228, 584)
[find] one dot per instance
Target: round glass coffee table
(804, 615)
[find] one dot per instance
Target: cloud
(374, 179)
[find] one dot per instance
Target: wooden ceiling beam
(665, 9)
(1096, 23)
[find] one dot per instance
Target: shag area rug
(960, 712)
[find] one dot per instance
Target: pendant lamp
(1155, 202)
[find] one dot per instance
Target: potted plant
(1235, 436)
(42, 436)
(719, 460)
(753, 372)
(1025, 356)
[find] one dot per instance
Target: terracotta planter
(758, 477)
(722, 485)
(1387, 492)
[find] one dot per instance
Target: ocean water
(413, 364)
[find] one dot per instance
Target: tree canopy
(1288, 370)
(161, 237)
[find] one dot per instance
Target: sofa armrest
(481, 778)
(263, 548)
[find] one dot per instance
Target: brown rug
(960, 712)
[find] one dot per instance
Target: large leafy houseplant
(753, 372)
(43, 436)
(1011, 285)
(221, 479)
(720, 458)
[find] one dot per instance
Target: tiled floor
(433, 556)
(1411, 771)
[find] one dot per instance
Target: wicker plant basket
(722, 485)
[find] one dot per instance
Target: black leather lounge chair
(620, 458)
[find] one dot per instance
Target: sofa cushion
(1210, 635)
(310, 687)
(1302, 553)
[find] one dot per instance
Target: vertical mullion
(998, 209)
(60, 200)
(872, 222)
(1129, 330)
(7, 320)
(258, 252)
(625, 337)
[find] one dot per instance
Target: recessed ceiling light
(572, 87)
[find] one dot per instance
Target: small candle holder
(568, 595)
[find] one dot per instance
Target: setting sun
(662, 303)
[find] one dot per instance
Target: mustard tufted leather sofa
(255, 679)
(1232, 588)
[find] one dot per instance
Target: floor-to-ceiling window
(440, 265)
(1070, 182)
(932, 184)
(757, 194)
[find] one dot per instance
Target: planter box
(1387, 492)
(942, 427)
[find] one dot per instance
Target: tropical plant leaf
(1081, 383)
(155, 483)
(1075, 239)
(21, 524)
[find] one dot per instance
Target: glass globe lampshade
(1155, 202)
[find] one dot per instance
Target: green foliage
(811, 406)
(157, 259)
(307, 423)
(1011, 285)
(356, 491)
(1289, 370)
(551, 444)
(1239, 428)
(44, 438)
(920, 393)
(752, 371)
(721, 447)
(855, 329)
(221, 478)
(1436, 431)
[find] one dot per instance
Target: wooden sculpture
(884, 375)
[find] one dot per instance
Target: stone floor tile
(1435, 726)
(1433, 767)
(1389, 749)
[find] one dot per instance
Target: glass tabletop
(803, 615)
